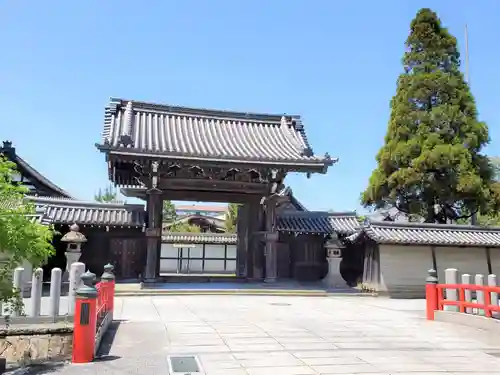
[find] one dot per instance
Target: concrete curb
(240, 292)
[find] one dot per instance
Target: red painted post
(108, 281)
(85, 320)
(431, 294)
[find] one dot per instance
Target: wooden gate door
(128, 257)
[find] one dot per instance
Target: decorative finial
(284, 121)
(7, 145)
(128, 122)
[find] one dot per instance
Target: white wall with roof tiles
(403, 269)
(471, 260)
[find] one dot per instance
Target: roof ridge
(68, 202)
(430, 226)
(138, 104)
(319, 213)
(41, 177)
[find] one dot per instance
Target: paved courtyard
(260, 335)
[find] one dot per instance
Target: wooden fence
(466, 296)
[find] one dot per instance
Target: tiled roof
(10, 153)
(287, 192)
(176, 132)
(429, 234)
(212, 238)
(317, 222)
(67, 211)
(42, 179)
(217, 222)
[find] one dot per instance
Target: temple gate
(158, 152)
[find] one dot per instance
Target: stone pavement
(260, 335)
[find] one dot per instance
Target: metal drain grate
(280, 304)
(185, 365)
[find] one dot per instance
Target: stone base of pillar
(333, 280)
(71, 257)
(268, 280)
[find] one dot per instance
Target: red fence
(93, 314)
(435, 298)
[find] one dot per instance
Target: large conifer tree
(430, 164)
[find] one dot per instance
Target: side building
(115, 232)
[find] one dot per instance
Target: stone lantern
(333, 279)
(74, 240)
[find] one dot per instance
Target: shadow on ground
(107, 343)
(38, 369)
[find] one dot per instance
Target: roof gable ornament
(126, 136)
(7, 148)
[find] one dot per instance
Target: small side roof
(199, 238)
(10, 152)
(69, 211)
(174, 132)
(386, 232)
(317, 222)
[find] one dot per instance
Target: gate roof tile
(179, 132)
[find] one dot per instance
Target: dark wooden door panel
(128, 257)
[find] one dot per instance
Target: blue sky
(335, 63)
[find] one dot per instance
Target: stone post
(55, 292)
(451, 277)
(36, 292)
(74, 240)
(492, 281)
(466, 280)
(479, 280)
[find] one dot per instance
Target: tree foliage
(169, 212)
(431, 163)
(184, 228)
(492, 218)
(21, 237)
(231, 217)
(106, 195)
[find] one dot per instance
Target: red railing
(435, 298)
(102, 305)
(93, 314)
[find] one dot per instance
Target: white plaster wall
(403, 270)
(470, 260)
(495, 261)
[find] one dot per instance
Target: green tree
(169, 212)
(492, 218)
(430, 164)
(231, 217)
(21, 238)
(184, 228)
(106, 195)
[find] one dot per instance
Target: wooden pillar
(153, 233)
(255, 253)
(271, 250)
(242, 228)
